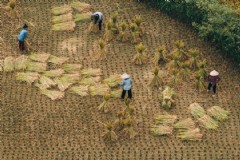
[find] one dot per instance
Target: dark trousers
(124, 93)
(100, 25)
(21, 45)
(214, 87)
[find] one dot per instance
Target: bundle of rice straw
(46, 82)
(36, 66)
(159, 130)
(113, 80)
(8, 64)
(57, 60)
(65, 26)
(28, 77)
(79, 90)
(218, 113)
(66, 80)
(43, 57)
(72, 68)
(167, 97)
(104, 106)
(62, 18)
(64, 9)
(191, 135)
(91, 72)
(116, 93)
(53, 73)
(90, 80)
(185, 124)
(196, 110)
(83, 17)
(208, 122)
(165, 119)
(74, 78)
(100, 90)
(53, 94)
(21, 63)
(80, 6)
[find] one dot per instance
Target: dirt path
(36, 128)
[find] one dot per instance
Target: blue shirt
(23, 35)
(127, 84)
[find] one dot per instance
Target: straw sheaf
(159, 130)
(8, 64)
(83, 17)
(80, 7)
(91, 72)
(53, 94)
(100, 90)
(53, 73)
(90, 81)
(21, 63)
(113, 80)
(57, 60)
(62, 18)
(66, 26)
(79, 90)
(36, 66)
(72, 68)
(196, 110)
(43, 57)
(28, 77)
(218, 113)
(64, 9)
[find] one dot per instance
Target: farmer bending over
(213, 78)
(22, 37)
(127, 85)
(97, 17)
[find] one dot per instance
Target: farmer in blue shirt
(22, 37)
(98, 18)
(127, 85)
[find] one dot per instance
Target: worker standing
(22, 37)
(127, 85)
(213, 79)
(98, 18)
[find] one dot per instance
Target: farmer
(213, 79)
(127, 85)
(22, 37)
(98, 18)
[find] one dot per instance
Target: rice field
(34, 127)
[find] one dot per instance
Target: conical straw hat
(214, 73)
(124, 76)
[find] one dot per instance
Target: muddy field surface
(34, 127)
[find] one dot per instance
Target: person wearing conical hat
(213, 79)
(98, 18)
(127, 85)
